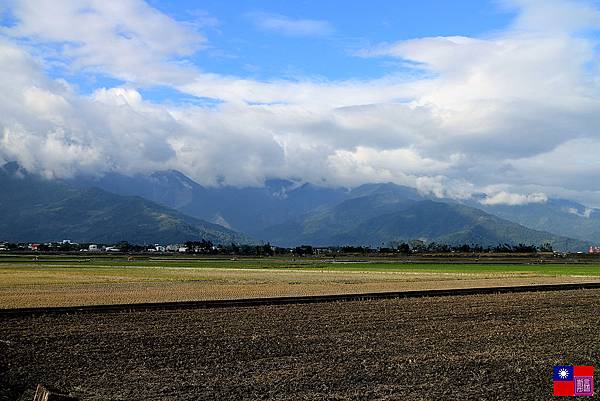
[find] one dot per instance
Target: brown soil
(492, 347)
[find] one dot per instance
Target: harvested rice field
(54, 282)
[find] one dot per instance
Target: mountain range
(33, 208)
(247, 210)
(169, 207)
(562, 216)
(289, 213)
(383, 217)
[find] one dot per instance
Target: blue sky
(451, 98)
(238, 46)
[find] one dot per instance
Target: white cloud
(364, 164)
(291, 26)
(554, 16)
(126, 39)
(118, 96)
(507, 198)
(442, 187)
(587, 212)
(511, 113)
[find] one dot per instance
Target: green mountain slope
(382, 218)
(242, 209)
(560, 216)
(36, 209)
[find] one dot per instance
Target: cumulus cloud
(515, 109)
(126, 39)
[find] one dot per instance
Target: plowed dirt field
(494, 347)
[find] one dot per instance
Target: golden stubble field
(35, 285)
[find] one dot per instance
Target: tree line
(209, 248)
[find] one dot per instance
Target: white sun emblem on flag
(563, 373)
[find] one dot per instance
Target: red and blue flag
(573, 380)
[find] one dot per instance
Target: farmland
(465, 347)
(498, 346)
(75, 280)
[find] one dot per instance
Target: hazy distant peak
(174, 177)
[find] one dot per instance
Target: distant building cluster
(70, 246)
(594, 249)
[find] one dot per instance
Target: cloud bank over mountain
(512, 113)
